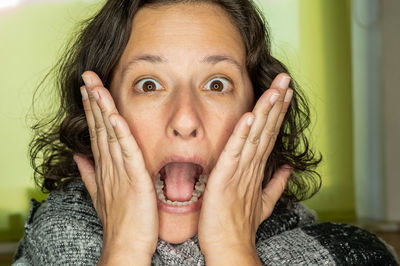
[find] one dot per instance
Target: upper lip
(183, 159)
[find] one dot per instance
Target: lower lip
(180, 209)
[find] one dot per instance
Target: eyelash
(227, 84)
(141, 82)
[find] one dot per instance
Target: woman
(194, 134)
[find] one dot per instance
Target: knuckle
(92, 133)
(273, 137)
(123, 139)
(93, 139)
(244, 136)
(254, 140)
(236, 154)
(270, 132)
(274, 91)
(86, 107)
(265, 112)
(103, 109)
(127, 154)
(99, 164)
(112, 139)
(100, 128)
(98, 88)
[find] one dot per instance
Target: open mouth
(180, 183)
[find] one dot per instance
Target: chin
(177, 228)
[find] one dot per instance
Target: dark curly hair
(98, 47)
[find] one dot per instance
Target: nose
(185, 121)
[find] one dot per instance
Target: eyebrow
(214, 59)
(156, 59)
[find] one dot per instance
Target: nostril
(193, 134)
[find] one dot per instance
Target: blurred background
(344, 53)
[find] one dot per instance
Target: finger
(107, 108)
(90, 121)
(131, 154)
(271, 127)
(274, 189)
(228, 160)
(286, 103)
(100, 128)
(266, 113)
(88, 174)
(91, 79)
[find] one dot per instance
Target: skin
(133, 132)
(183, 104)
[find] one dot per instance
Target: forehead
(182, 29)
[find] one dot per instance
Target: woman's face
(182, 85)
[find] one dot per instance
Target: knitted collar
(189, 253)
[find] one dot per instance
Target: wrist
(119, 254)
(115, 258)
(233, 256)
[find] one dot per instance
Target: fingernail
(250, 120)
(284, 82)
(84, 93)
(288, 96)
(274, 98)
(87, 79)
(113, 121)
(95, 94)
(75, 157)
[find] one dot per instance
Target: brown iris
(149, 86)
(216, 85)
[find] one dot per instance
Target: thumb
(88, 174)
(274, 189)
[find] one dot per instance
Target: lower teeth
(197, 192)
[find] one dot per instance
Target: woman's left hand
(234, 202)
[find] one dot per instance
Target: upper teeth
(199, 189)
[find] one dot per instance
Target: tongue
(179, 181)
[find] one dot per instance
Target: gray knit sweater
(65, 230)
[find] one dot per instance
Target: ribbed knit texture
(65, 230)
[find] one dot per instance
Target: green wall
(311, 36)
(325, 52)
(32, 37)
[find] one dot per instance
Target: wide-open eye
(147, 85)
(218, 85)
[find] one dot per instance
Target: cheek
(223, 127)
(144, 131)
(148, 136)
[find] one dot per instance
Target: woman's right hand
(119, 184)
